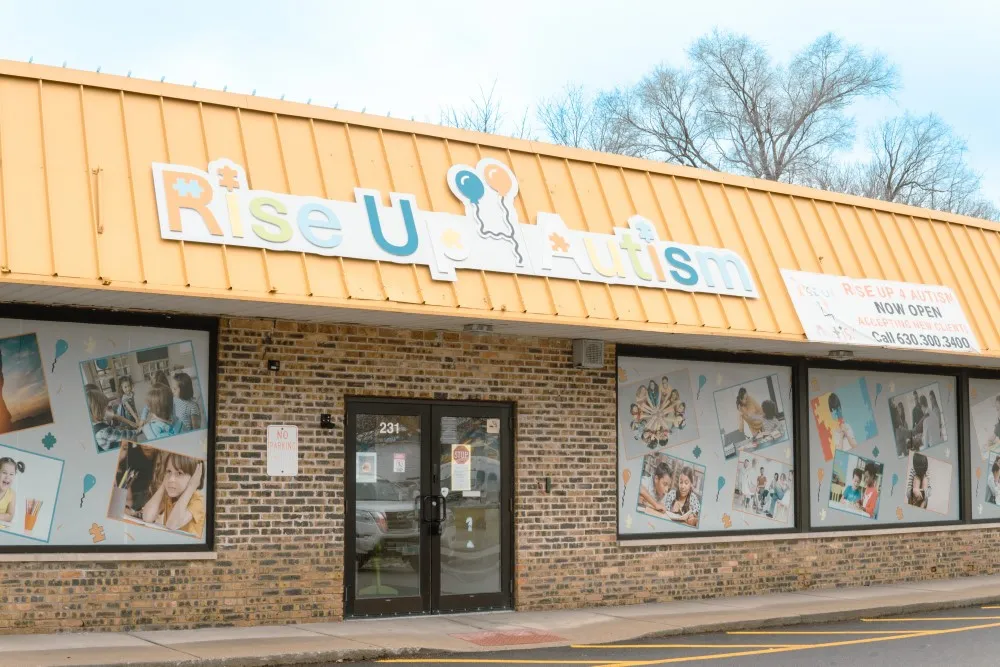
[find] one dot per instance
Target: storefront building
(265, 362)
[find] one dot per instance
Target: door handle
(443, 510)
(429, 516)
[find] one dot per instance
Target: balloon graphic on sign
(88, 483)
(470, 186)
(878, 390)
(498, 179)
(721, 483)
(895, 480)
(979, 473)
(61, 348)
(626, 476)
(819, 474)
(701, 383)
(102, 364)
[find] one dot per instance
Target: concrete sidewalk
(367, 639)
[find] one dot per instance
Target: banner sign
(837, 309)
(218, 207)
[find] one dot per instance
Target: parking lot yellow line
(802, 647)
(992, 606)
(818, 632)
(588, 646)
(486, 661)
(939, 618)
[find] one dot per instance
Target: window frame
(16, 311)
(800, 366)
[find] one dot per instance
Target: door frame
(429, 601)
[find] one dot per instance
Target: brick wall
(280, 542)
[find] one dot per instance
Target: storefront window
(104, 435)
(984, 455)
(704, 447)
(883, 448)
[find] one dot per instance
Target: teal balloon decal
(722, 483)
(470, 185)
(102, 364)
(878, 390)
(88, 483)
(61, 348)
(895, 479)
(701, 383)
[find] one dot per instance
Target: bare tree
(915, 160)
(566, 117)
(667, 113)
(734, 110)
(486, 113)
(575, 118)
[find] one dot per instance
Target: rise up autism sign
(217, 206)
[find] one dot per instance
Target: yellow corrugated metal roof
(77, 209)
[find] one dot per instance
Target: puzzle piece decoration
(558, 242)
(49, 441)
(451, 239)
(822, 514)
(97, 532)
(727, 521)
(229, 178)
(645, 231)
(899, 513)
(187, 188)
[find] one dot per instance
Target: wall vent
(588, 353)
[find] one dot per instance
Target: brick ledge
(793, 537)
(104, 557)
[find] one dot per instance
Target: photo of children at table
(159, 488)
(671, 489)
(917, 420)
(132, 397)
(855, 485)
(750, 416)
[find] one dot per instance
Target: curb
(375, 652)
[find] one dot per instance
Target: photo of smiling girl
(8, 498)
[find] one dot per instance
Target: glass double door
(428, 507)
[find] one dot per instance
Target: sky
(24, 389)
(409, 59)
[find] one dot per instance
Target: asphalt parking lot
(968, 637)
